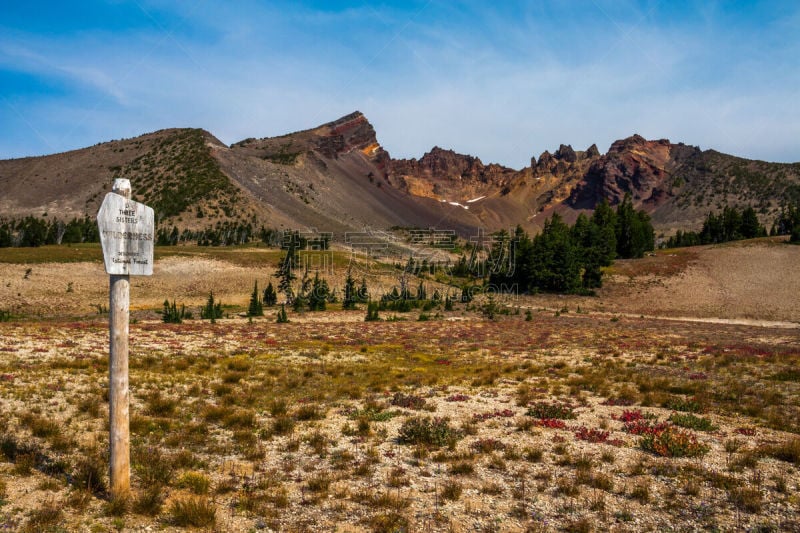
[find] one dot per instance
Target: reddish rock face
(633, 165)
(452, 175)
(351, 132)
(443, 164)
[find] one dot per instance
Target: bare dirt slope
(753, 280)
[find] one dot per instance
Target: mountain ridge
(337, 176)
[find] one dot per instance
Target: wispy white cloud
(503, 85)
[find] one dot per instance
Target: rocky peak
(447, 175)
(448, 164)
(592, 151)
(351, 132)
(632, 165)
(566, 153)
(634, 142)
(546, 160)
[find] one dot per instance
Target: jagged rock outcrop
(351, 132)
(451, 175)
(633, 165)
(566, 153)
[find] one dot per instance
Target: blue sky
(503, 82)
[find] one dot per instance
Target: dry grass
(442, 425)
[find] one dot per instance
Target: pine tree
(363, 292)
(286, 274)
(634, 231)
(555, 259)
(282, 317)
(466, 294)
(256, 307)
(750, 227)
(372, 312)
(318, 296)
(448, 303)
(604, 219)
(212, 310)
(270, 296)
(171, 315)
(350, 295)
(421, 293)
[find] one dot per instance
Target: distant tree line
(32, 231)
(733, 224)
(227, 233)
(788, 223)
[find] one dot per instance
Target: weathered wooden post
(126, 233)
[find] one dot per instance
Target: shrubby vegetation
(178, 172)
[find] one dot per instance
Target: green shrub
(408, 401)
(691, 421)
(428, 431)
(319, 483)
(672, 442)
(41, 426)
(44, 518)
(372, 312)
(118, 506)
(212, 310)
(392, 522)
(158, 405)
(687, 405)
(282, 317)
(152, 467)
(748, 499)
(309, 411)
(170, 314)
(551, 410)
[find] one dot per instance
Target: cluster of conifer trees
(32, 231)
(39, 231)
(568, 259)
(730, 225)
(734, 224)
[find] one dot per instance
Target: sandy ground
(755, 283)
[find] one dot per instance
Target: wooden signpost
(127, 231)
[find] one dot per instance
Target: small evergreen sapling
(282, 318)
(256, 307)
(171, 314)
(212, 310)
(372, 312)
(270, 298)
